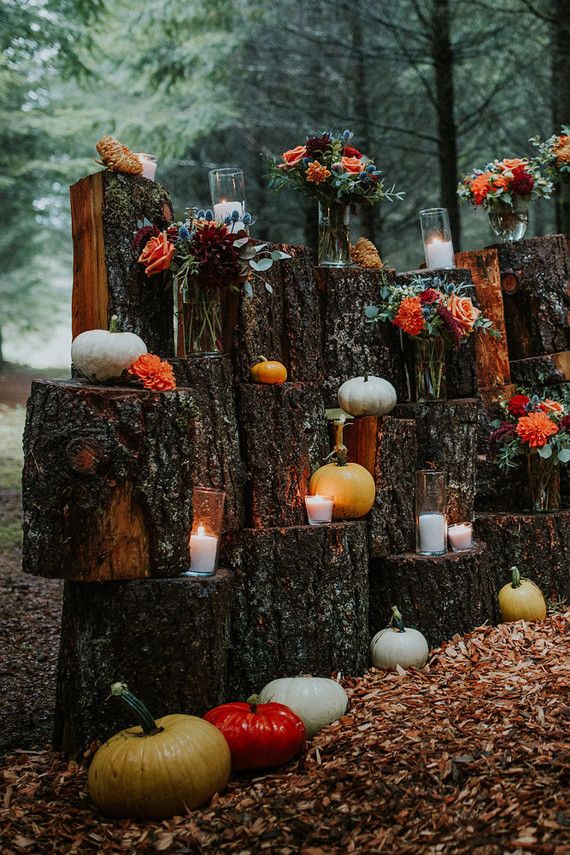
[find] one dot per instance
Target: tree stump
(285, 440)
(538, 544)
(107, 209)
(301, 604)
(107, 492)
(539, 372)
(440, 596)
(166, 638)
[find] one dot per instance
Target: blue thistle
(228, 220)
(370, 168)
(183, 232)
(200, 214)
(235, 216)
(209, 215)
(247, 219)
(347, 135)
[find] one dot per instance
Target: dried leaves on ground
(470, 755)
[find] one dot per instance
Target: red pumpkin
(259, 735)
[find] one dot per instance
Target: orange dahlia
(154, 372)
(410, 318)
(317, 173)
(536, 428)
(480, 186)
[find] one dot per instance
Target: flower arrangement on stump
(327, 168)
(538, 431)
(436, 314)
(554, 153)
(505, 189)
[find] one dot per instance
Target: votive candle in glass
(149, 164)
(319, 509)
(227, 188)
(431, 519)
(436, 235)
(207, 525)
(460, 536)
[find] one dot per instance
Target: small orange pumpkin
(269, 371)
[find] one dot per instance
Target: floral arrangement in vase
(538, 430)
(554, 153)
(505, 189)
(329, 169)
(207, 261)
(436, 314)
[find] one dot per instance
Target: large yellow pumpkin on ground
(350, 484)
(521, 599)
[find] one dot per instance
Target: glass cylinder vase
(544, 482)
(430, 369)
(436, 235)
(202, 323)
(431, 512)
(207, 526)
(510, 222)
(334, 234)
(227, 190)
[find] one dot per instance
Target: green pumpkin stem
(340, 448)
(148, 724)
(366, 376)
(114, 324)
(397, 621)
(516, 577)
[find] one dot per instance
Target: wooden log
(440, 596)
(301, 604)
(391, 526)
(360, 439)
(107, 209)
(539, 372)
(166, 638)
(106, 490)
(538, 544)
(535, 277)
(285, 440)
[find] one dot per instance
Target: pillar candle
(460, 536)
(439, 253)
(432, 533)
(319, 509)
(226, 209)
(203, 552)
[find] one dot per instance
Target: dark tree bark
(166, 638)
(106, 490)
(539, 372)
(560, 28)
(301, 604)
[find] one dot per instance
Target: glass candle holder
(227, 188)
(319, 509)
(460, 536)
(431, 520)
(207, 524)
(436, 235)
(149, 164)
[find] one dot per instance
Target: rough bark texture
(106, 492)
(391, 526)
(285, 440)
(216, 460)
(535, 278)
(440, 596)
(166, 638)
(538, 544)
(541, 371)
(106, 210)
(301, 604)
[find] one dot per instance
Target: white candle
(432, 533)
(226, 209)
(460, 536)
(148, 163)
(439, 253)
(319, 509)
(203, 552)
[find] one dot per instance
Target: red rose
(349, 151)
(517, 405)
(430, 295)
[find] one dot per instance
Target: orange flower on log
(352, 164)
(513, 163)
(553, 407)
(463, 311)
(157, 254)
(536, 428)
(562, 149)
(317, 173)
(294, 155)
(409, 317)
(480, 186)
(154, 372)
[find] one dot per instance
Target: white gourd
(105, 354)
(318, 701)
(367, 396)
(399, 645)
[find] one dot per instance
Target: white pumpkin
(105, 354)
(399, 645)
(318, 701)
(367, 396)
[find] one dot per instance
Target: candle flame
(201, 531)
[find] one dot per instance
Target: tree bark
(539, 372)
(561, 96)
(107, 492)
(166, 638)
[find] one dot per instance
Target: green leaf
(261, 265)
(277, 255)
(268, 287)
(248, 289)
(564, 455)
(240, 242)
(371, 311)
(545, 452)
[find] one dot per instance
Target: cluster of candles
(433, 535)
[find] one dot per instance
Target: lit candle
(432, 534)
(319, 509)
(226, 209)
(203, 552)
(460, 536)
(439, 254)
(149, 164)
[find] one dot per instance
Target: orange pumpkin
(269, 371)
(351, 485)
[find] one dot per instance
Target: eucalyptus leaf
(261, 265)
(248, 252)
(371, 311)
(269, 287)
(277, 255)
(248, 289)
(545, 452)
(564, 455)
(240, 242)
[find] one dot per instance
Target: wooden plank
(90, 296)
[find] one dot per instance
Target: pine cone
(117, 157)
(364, 253)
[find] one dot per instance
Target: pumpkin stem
(340, 448)
(114, 324)
(148, 724)
(396, 621)
(262, 358)
(366, 376)
(516, 577)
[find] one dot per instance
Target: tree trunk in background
(443, 63)
(1, 351)
(561, 96)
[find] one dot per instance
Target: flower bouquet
(505, 188)
(327, 168)
(538, 430)
(554, 153)
(435, 314)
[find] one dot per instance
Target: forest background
(431, 88)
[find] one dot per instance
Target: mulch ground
(470, 755)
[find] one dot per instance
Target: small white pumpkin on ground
(318, 701)
(399, 645)
(367, 396)
(105, 354)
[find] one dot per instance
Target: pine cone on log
(117, 157)
(365, 254)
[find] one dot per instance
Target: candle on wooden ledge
(319, 509)
(208, 521)
(431, 518)
(226, 209)
(460, 536)
(432, 534)
(436, 235)
(203, 553)
(227, 189)
(149, 164)
(439, 254)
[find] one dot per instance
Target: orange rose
(463, 311)
(553, 407)
(157, 254)
(498, 181)
(480, 186)
(294, 155)
(513, 163)
(536, 429)
(352, 164)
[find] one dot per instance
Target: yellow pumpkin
(521, 599)
(269, 371)
(160, 769)
(350, 484)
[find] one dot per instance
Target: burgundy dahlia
(318, 144)
(565, 423)
(213, 248)
(506, 430)
(521, 183)
(454, 328)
